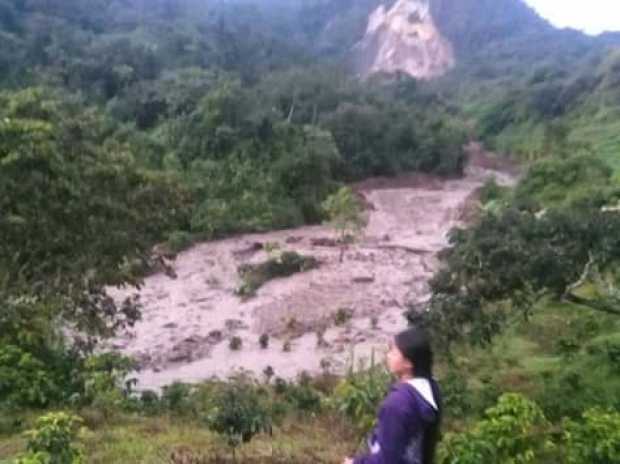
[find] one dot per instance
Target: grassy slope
(526, 357)
(153, 440)
(568, 80)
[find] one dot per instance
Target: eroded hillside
(404, 38)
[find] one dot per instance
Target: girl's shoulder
(412, 397)
(401, 398)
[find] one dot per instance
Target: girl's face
(397, 363)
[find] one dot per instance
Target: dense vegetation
(124, 124)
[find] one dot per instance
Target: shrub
(514, 431)
(304, 398)
(345, 213)
(578, 387)
(149, 402)
(51, 442)
(288, 263)
(10, 422)
(358, 396)
(595, 439)
(457, 398)
(179, 241)
(280, 386)
(240, 412)
(566, 182)
(491, 191)
(301, 396)
(25, 380)
(177, 398)
(105, 382)
(263, 341)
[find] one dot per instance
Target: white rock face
(406, 39)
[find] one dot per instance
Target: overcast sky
(591, 16)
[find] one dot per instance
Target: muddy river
(188, 321)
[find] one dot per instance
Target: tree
(306, 171)
(501, 267)
(360, 132)
(344, 211)
(78, 214)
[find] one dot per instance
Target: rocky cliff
(403, 38)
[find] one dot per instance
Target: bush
(105, 382)
(595, 439)
(579, 386)
(239, 195)
(149, 402)
(25, 380)
(288, 263)
(301, 396)
(457, 398)
(358, 396)
(10, 421)
(514, 431)
(241, 411)
(492, 192)
(51, 442)
(179, 241)
(177, 398)
(566, 182)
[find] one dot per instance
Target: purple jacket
(405, 417)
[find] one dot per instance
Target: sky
(591, 16)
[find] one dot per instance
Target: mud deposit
(188, 321)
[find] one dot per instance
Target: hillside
(507, 68)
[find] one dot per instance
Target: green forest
(132, 129)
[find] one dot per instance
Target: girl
(409, 418)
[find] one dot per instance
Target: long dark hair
(415, 345)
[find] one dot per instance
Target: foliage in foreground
(516, 431)
(52, 441)
(240, 412)
(358, 396)
(594, 439)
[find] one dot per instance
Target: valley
(189, 321)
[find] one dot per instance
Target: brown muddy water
(188, 321)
